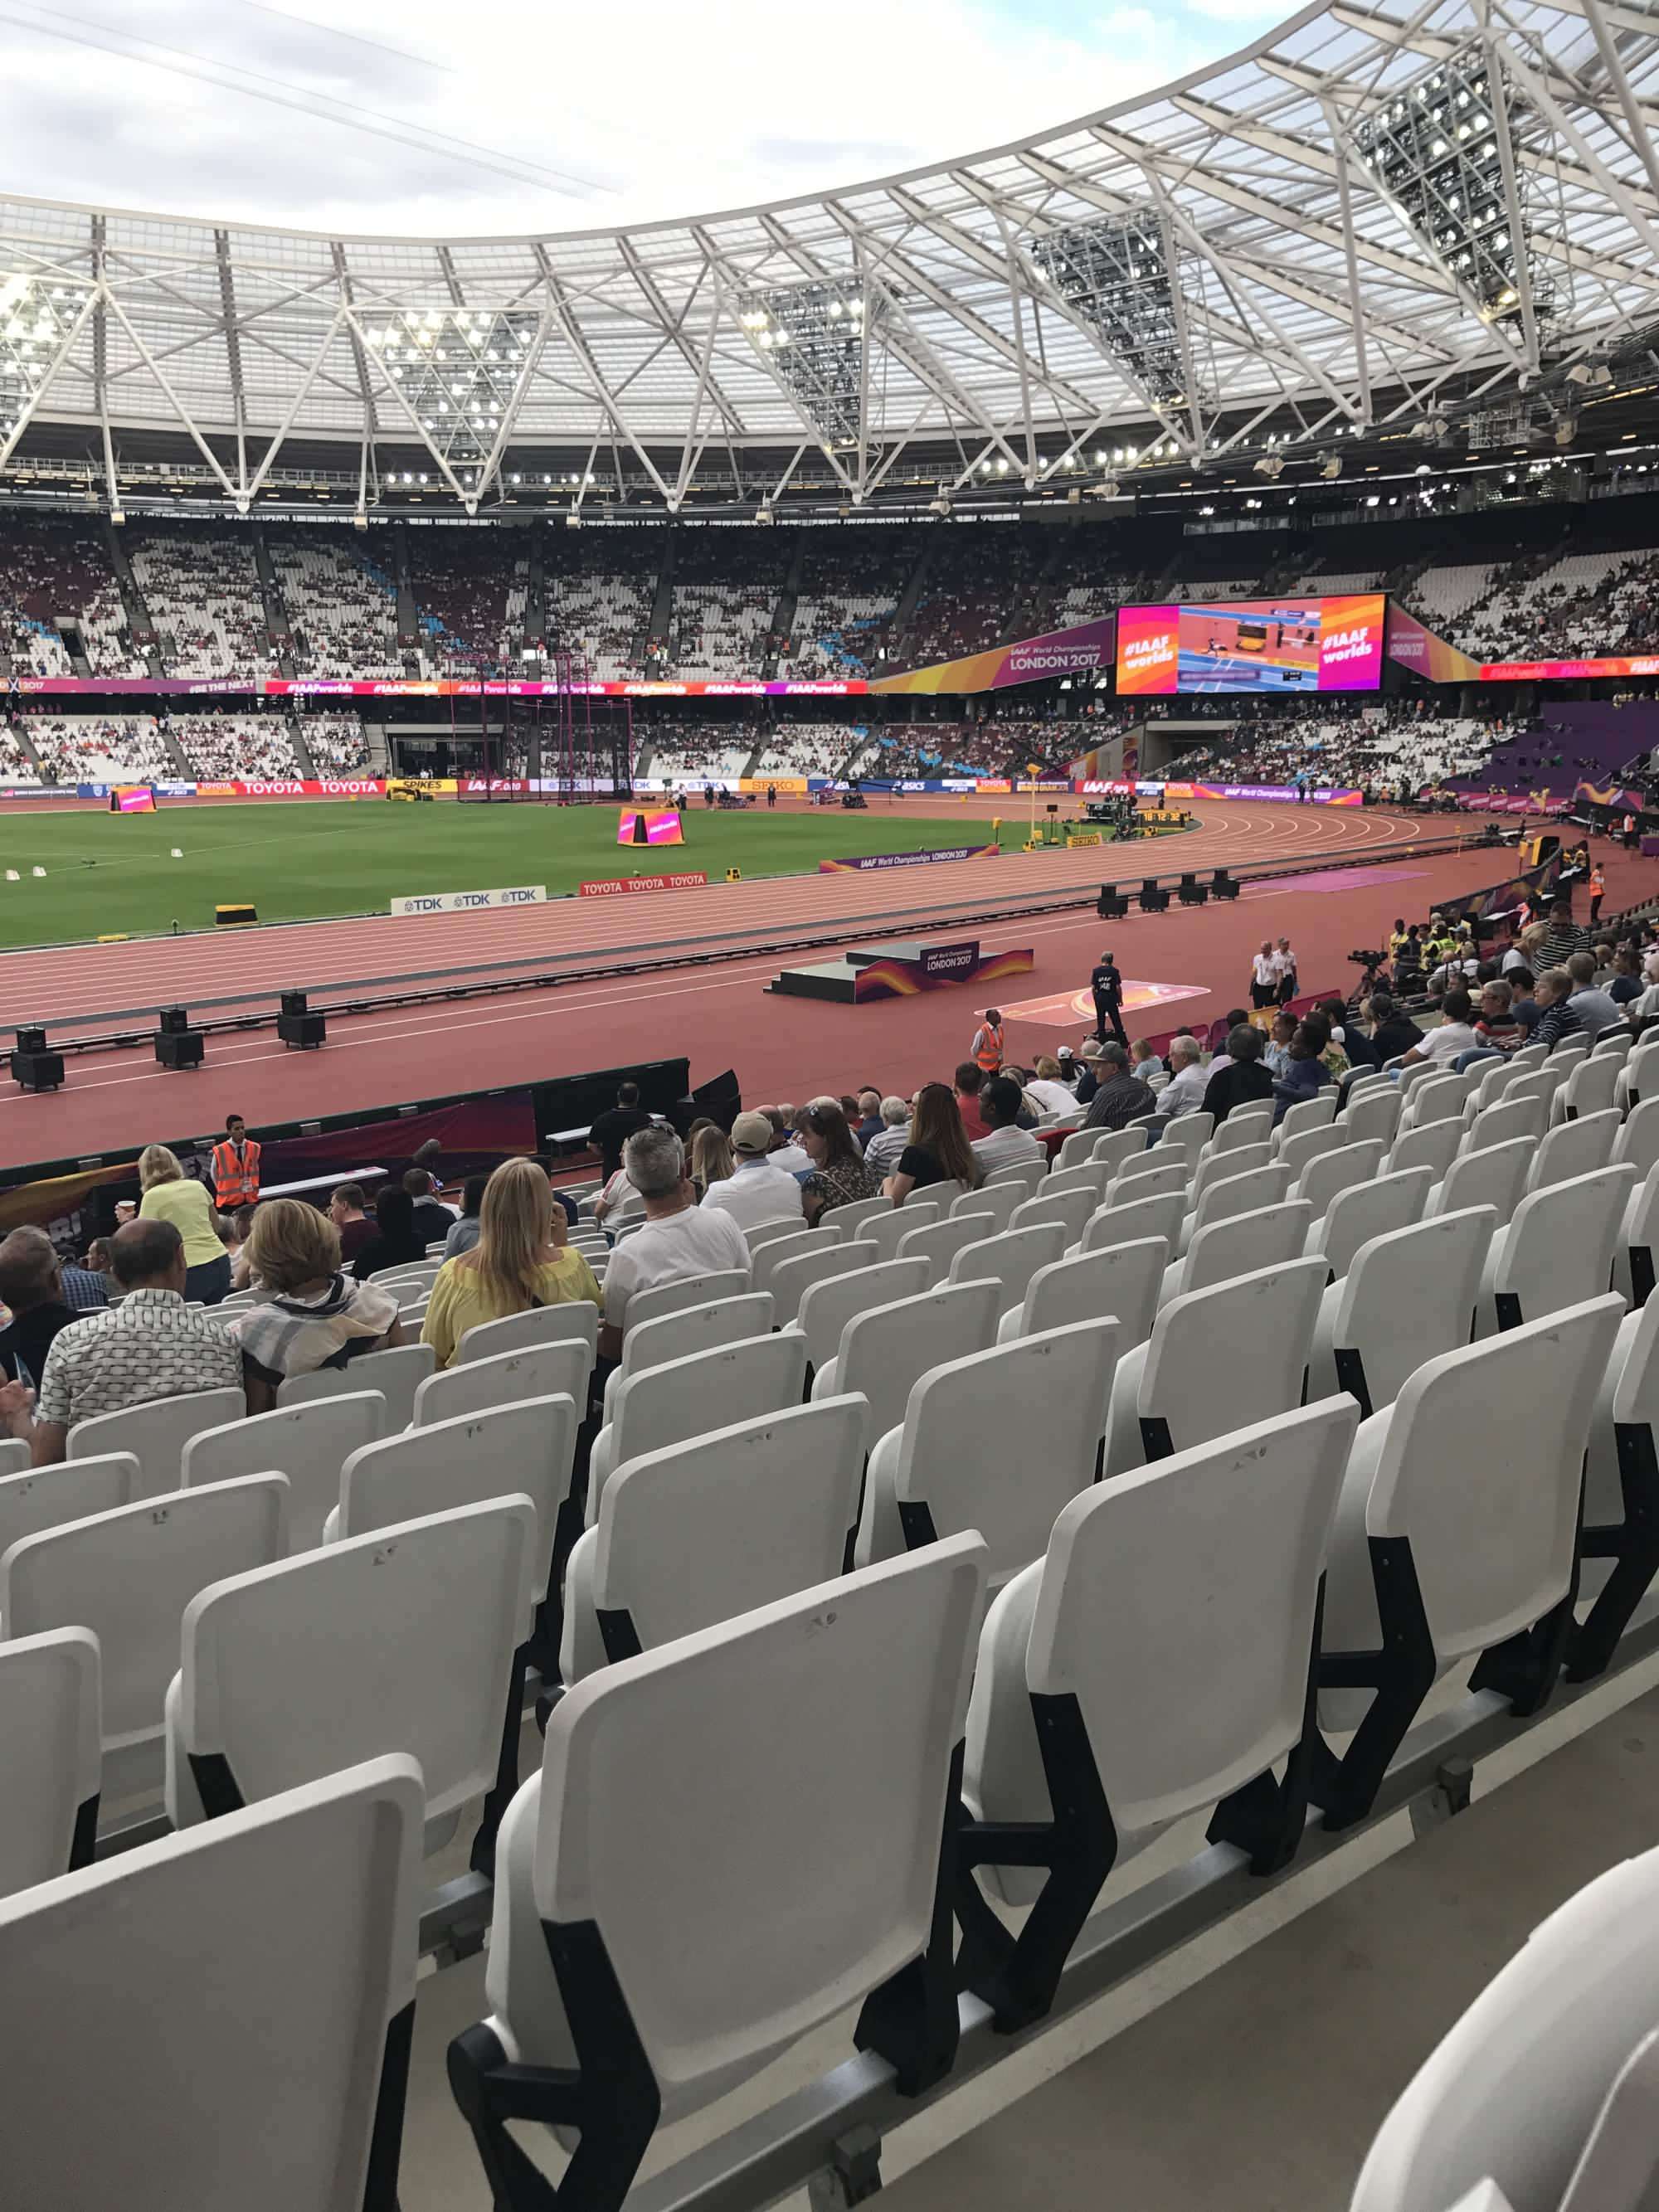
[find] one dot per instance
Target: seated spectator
(1625, 983)
(1306, 1073)
(394, 1243)
(616, 1126)
(1336, 1055)
(1241, 1076)
(432, 1220)
(969, 1080)
(1119, 1097)
(1455, 1035)
(345, 1210)
(521, 1261)
(1560, 1015)
(97, 1262)
(1005, 1142)
(464, 1234)
(1144, 1062)
(151, 1346)
(567, 1205)
(86, 1289)
(939, 1149)
(1495, 1023)
(759, 1187)
(711, 1158)
(1184, 1091)
(840, 1176)
(31, 1287)
(1066, 1061)
(680, 1239)
(1392, 1033)
(233, 1231)
(882, 1153)
(869, 1125)
(309, 1315)
(1522, 1005)
(1045, 1087)
(168, 1196)
(1597, 1011)
(1089, 1082)
(1277, 1052)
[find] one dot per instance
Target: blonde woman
(521, 1261)
(711, 1158)
(169, 1196)
(310, 1315)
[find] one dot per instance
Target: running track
(719, 1015)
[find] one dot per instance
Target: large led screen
(1253, 645)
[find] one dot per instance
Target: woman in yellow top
(169, 1196)
(521, 1261)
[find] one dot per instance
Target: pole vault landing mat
(901, 970)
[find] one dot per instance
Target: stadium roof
(1362, 218)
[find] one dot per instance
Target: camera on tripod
(1368, 959)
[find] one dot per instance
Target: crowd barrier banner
(939, 968)
(608, 886)
(488, 787)
(1502, 898)
(1273, 793)
(1510, 802)
(863, 863)
(787, 787)
(470, 902)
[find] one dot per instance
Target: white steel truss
(1272, 240)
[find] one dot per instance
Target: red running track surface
(782, 1048)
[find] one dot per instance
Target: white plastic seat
(1354, 1217)
(1456, 1535)
(1502, 1124)
(309, 1444)
(542, 1370)
(1236, 1159)
(1541, 1083)
(996, 1199)
(1529, 1056)
(73, 1490)
(1495, 1177)
(884, 1353)
(1434, 1147)
(694, 1328)
(397, 1373)
(1215, 1360)
(576, 1320)
(1375, 1113)
(1028, 1173)
(827, 1306)
(1613, 1045)
(1190, 1588)
(1406, 1297)
(1588, 1089)
(1298, 1151)
(850, 1219)
(1635, 1257)
(699, 1289)
(1079, 1145)
(409, 1271)
(703, 1531)
(1188, 1134)
(1249, 1124)
(1130, 1224)
(1637, 1142)
(1621, 1494)
(1555, 1250)
(1440, 1099)
(128, 1576)
(1490, 1079)
(155, 1433)
(399, 1641)
(1151, 1177)
(964, 1458)
(1326, 1177)
(837, 1709)
(1575, 1148)
(791, 1280)
(1114, 1146)
(1068, 1210)
(51, 1755)
(1266, 1238)
(1239, 1194)
(308, 1909)
(1638, 1078)
(887, 1231)
(1120, 1280)
(1307, 1114)
(763, 1233)
(686, 1398)
(767, 1257)
(1010, 1260)
(1089, 1176)
(938, 1243)
(1542, 2093)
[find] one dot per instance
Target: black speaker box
(179, 1048)
(173, 1021)
(37, 1071)
(303, 1030)
(295, 1002)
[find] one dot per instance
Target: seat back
(1503, 1123)
(1406, 1297)
(1120, 1280)
(155, 1434)
(694, 1328)
(884, 1354)
(1638, 1144)
(967, 1454)
(1246, 1125)
(1068, 1210)
(849, 1218)
(1440, 1099)
(1079, 1145)
(401, 1641)
(886, 1232)
(1266, 1238)
(701, 1290)
(1307, 1114)
(1588, 1089)
(1086, 1177)
(1640, 1074)
(1540, 1083)
(938, 1243)
(1481, 1469)
(543, 1371)
(1027, 1173)
(838, 1709)
(1371, 1209)
(574, 1322)
(526, 1448)
(309, 1444)
(1223, 1358)
(1130, 1223)
(308, 1909)
(51, 1755)
(760, 1233)
(1189, 1133)
(1116, 1146)
(397, 1373)
(1242, 1194)
(790, 1280)
(1153, 1176)
(1494, 1177)
(1218, 1164)
(828, 1305)
(689, 1397)
(1634, 1257)
(1491, 1081)
(1575, 1148)
(1374, 1113)
(1010, 1260)
(997, 1199)
(1559, 1248)
(1359, 1160)
(128, 1576)
(409, 1271)
(1307, 1145)
(1434, 1147)
(1628, 1400)
(73, 1490)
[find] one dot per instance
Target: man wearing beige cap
(759, 1189)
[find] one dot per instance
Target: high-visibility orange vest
(1598, 883)
(235, 1177)
(988, 1048)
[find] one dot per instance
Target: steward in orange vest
(235, 1167)
(987, 1042)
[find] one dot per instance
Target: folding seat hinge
(853, 2174)
(1453, 1780)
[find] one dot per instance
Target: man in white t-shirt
(1454, 1036)
(760, 1189)
(1005, 1145)
(1264, 975)
(680, 1238)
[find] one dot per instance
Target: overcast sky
(563, 116)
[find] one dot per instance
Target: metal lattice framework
(1274, 238)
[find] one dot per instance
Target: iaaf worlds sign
(470, 902)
